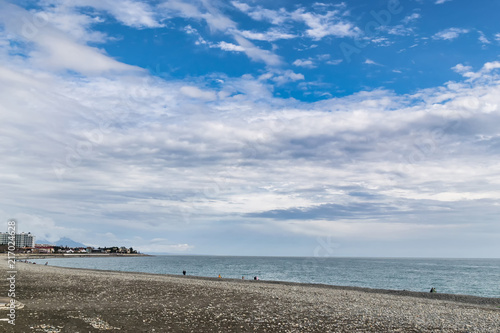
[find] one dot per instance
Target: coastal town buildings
(43, 248)
(25, 242)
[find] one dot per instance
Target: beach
(59, 299)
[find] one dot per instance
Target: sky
(249, 127)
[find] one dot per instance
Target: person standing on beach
(184, 272)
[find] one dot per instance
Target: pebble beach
(55, 299)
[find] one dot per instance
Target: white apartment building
(22, 239)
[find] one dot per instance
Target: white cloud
(319, 26)
(195, 92)
(241, 6)
(205, 11)
(132, 13)
(490, 66)
(335, 62)
(57, 53)
(77, 25)
(332, 23)
(381, 41)
(329, 24)
(405, 29)
(257, 54)
(54, 49)
(484, 72)
(497, 37)
(269, 36)
(262, 14)
(371, 62)
(439, 2)
(219, 22)
(411, 18)
(461, 69)
(286, 77)
(450, 34)
(400, 30)
(312, 62)
(308, 63)
(482, 38)
(230, 47)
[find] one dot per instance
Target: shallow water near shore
(478, 277)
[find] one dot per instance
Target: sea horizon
(319, 257)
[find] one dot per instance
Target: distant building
(22, 239)
(4, 238)
(123, 249)
(43, 245)
(44, 248)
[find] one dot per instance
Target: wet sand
(76, 300)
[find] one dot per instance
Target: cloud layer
(96, 147)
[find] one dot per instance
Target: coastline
(23, 256)
(84, 300)
(458, 298)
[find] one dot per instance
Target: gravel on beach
(75, 300)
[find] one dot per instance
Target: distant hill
(62, 242)
(69, 243)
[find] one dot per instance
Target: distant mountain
(69, 243)
(61, 242)
(43, 241)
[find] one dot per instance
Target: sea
(478, 277)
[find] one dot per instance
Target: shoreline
(462, 298)
(60, 299)
(23, 256)
(459, 298)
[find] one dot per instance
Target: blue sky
(360, 128)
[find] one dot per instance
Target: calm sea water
(480, 277)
